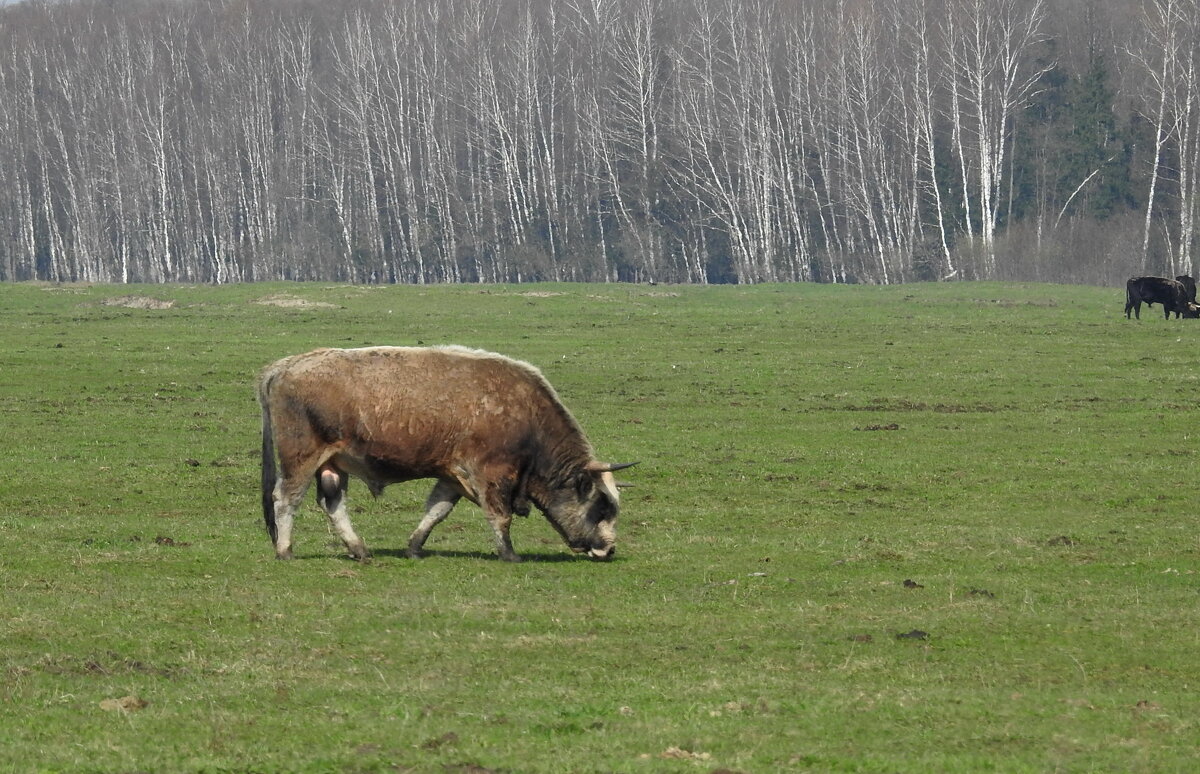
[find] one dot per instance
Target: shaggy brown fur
(486, 427)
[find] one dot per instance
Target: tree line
(599, 140)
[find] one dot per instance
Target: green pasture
(924, 528)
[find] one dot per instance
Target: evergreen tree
(1038, 147)
(1095, 179)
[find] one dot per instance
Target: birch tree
(1167, 55)
(987, 42)
(923, 88)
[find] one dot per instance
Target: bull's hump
(429, 383)
(446, 350)
(436, 364)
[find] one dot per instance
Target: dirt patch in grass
(138, 302)
(901, 404)
(1008, 303)
(292, 302)
(125, 704)
(104, 665)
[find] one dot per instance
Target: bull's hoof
(359, 553)
(283, 555)
(511, 556)
(414, 553)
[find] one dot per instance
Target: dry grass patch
(138, 302)
(285, 301)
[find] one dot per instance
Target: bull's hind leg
(331, 495)
(289, 490)
(437, 507)
(297, 469)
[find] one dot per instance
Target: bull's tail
(268, 461)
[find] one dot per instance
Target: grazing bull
(1189, 287)
(1158, 290)
(486, 427)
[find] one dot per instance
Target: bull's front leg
(504, 546)
(499, 515)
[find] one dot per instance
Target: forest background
(602, 140)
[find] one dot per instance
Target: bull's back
(1155, 290)
(411, 410)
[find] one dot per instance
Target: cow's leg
(289, 491)
(504, 546)
(499, 515)
(437, 507)
(331, 494)
(296, 471)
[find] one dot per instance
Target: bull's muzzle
(603, 553)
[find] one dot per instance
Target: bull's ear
(584, 486)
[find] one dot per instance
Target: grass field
(904, 529)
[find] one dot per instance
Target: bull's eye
(603, 510)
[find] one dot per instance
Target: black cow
(1158, 290)
(1189, 285)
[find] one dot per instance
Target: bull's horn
(606, 467)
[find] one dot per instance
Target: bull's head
(585, 513)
